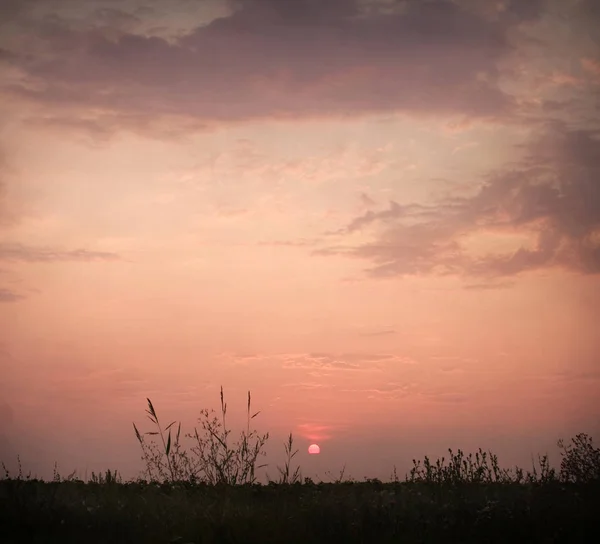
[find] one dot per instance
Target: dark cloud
(10, 9)
(20, 252)
(271, 59)
(553, 196)
(116, 18)
(299, 12)
(525, 10)
(589, 12)
(6, 55)
(24, 12)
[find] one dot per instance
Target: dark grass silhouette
(210, 495)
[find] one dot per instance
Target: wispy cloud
(301, 242)
(343, 361)
(320, 361)
(317, 363)
(21, 252)
(489, 286)
(8, 295)
(387, 392)
(250, 162)
(316, 431)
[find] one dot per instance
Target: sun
(314, 449)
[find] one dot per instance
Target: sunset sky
(381, 217)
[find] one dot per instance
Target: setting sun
(313, 449)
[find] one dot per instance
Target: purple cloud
(553, 195)
(272, 60)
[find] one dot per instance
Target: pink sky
(381, 217)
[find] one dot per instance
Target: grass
(210, 495)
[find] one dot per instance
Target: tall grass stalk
(286, 475)
(215, 459)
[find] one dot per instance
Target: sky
(381, 217)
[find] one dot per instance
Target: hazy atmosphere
(381, 217)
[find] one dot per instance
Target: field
(34, 511)
(213, 497)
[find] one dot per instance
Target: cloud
(551, 199)
(12, 207)
(20, 252)
(394, 212)
(415, 388)
(317, 431)
(387, 392)
(310, 386)
(520, 11)
(489, 286)
(322, 361)
(253, 164)
(6, 55)
(428, 58)
(11, 9)
(589, 13)
(5, 215)
(300, 242)
(14, 252)
(343, 361)
(299, 12)
(7, 295)
(116, 18)
(366, 201)
(591, 66)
